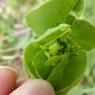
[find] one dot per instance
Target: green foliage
(59, 53)
(50, 14)
(83, 33)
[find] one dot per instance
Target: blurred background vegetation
(14, 35)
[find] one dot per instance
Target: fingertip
(35, 87)
(8, 78)
(42, 87)
(9, 69)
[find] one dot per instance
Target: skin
(9, 86)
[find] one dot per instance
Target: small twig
(10, 57)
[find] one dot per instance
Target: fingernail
(35, 87)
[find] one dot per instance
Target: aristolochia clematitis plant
(58, 54)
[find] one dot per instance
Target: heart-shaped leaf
(29, 53)
(83, 34)
(49, 15)
(53, 34)
(71, 73)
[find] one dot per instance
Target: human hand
(8, 85)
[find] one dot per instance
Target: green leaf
(56, 75)
(29, 53)
(53, 34)
(63, 78)
(49, 15)
(83, 34)
(44, 65)
(90, 61)
(27, 71)
(39, 64)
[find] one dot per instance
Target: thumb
(34, 87)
